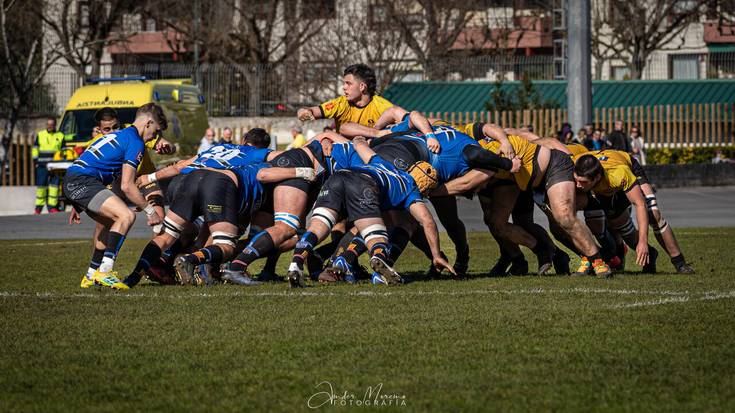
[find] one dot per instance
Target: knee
(565, 220)
(127, 217)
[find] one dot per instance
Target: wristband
(305, 173)
(152, 177)
(430, 136)
(149, 210)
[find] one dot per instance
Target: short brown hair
(155, 112)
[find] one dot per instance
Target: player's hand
(153, 219)
(141, 181)
(164, 147)
(74, 217)
(641, 254)
(433, 145)
(305, 114)
(96, 131)
(507, 149)
(516, 164)
(441, 264)
(327, 146)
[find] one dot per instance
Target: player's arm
(393, 114)
(472, 181)
(349, 129)
(553, 143)
(309, 113)
(419, 121)
(419, 211)
(276, 174)
(363, 149)
(132, 193)
(494, 131)
(165, 173)
(636, 198)
(480, 158)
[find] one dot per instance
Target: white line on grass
(708, 296)
(40, 244)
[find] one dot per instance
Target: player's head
(424, 175)
(358, 80)
(257, 137)
(106, 120)
(51, 124)
(587, 172)
(150, 121)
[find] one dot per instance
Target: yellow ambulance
(181, 101)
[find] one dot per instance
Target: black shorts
(85, 193)
(560, 169)
(401, 152)
(613, 206)
(207, 193)
(353, 195)
(174, 186)
(638, 171)
(295, 158)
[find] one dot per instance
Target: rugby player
(112, 155)
(222, 184)
(361, 188)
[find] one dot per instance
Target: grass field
(632, 343)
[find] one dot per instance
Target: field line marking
(362, 293)
(707, 296)
(40, 244)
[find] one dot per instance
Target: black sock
(329, 249)
(150, 255)
(399, 238)
(380, 250)
(594, 257)
(260, 246)
(344, 242)
(356, 248)
(305, 246)
(97, 256)
(678, 261)
(206, 255)
(114, 243)
(271, 262)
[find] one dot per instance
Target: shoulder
(381, 102)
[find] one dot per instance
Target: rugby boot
(500, 269)
(387, 274)
(108, 279)
(295, 276)
(86, 282)
(237, 277)
(519, 266)
(561, 262)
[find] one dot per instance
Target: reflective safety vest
(46, 145)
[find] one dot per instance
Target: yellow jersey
(525, 150)
(343, 111)
(618, 172)
(577, 149)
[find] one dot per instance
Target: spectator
(565, 128)
(589, 129)
(298, 138)
(48, 142)
(618, 139)
(207, 141)
(595, 142)
(581, 136)
(569, 137)
(227, 135)
(720, 158)
(637, 145)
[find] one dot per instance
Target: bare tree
(83, 30)
(603, 47)
(641, 27)
(25, 59)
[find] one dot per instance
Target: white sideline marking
(708, 296)
(40, 244)
(677, 296)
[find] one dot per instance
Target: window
(619, 73)
(377, 15)
(150, 25)
(83, 14)
(319, 9)
(684, 66)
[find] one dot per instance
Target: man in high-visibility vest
(47, 143)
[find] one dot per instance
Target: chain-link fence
(266, 90)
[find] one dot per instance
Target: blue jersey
(228, 156)
(450, 162)
(105, 157)
(250, 188)
(397, 188)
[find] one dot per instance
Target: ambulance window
(80, 123)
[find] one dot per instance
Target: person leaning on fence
(637, 145)
(618, 139)
(48, 142)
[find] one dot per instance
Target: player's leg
(663, 231)
(446, 210)
(545, 249)
(222, 246)
(173, 226)
(511, 258)
(621, 223)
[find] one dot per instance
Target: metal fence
(266, 90)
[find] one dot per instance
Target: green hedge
(664, 156)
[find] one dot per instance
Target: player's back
(227, 156)
(105, 157)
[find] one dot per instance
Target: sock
(271, 262)
(419, 240)
(212, 253)
(399, 238)
(595, 257)
(356, 248)
(678, 261)
(260, 246)
(380, 250)
(151, 253)
(305, 246)
(94, 264)
(114, 243)
(342, 245)
(330, 248)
